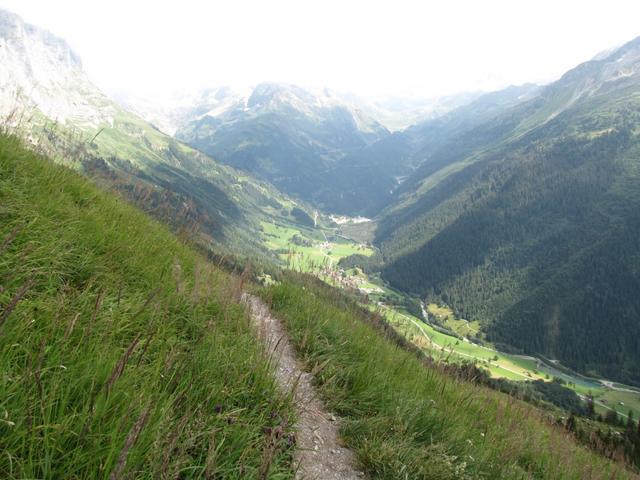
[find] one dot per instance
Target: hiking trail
(319, 454)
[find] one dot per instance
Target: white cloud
(369, 47)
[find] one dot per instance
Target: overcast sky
(371, 48)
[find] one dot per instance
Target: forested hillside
(367, 180)
(530, 223)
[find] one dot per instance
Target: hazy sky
(414, 48)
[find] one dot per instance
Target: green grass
(277, 237)
(447, 347)
(457, 325)
(407, 420)
(122, 352)
(613, 399)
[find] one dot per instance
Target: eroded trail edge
(319, 454)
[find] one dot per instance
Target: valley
(310, 249)
(318, 250)
(454, 277)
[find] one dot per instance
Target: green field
(448, 347)
(622, 402)
(320, 253)
(502, 365)
(457, 325)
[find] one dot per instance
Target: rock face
(41, 74)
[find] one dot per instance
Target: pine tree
(611, 417)
(571, 423)
(591, 409)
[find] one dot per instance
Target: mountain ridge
(505, 229)
(286, 135)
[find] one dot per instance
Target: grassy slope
(169, 180)
(407, 421)
(228, 196)
(120, 349)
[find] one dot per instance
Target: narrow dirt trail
(319, 452)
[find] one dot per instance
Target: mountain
(46, 96)
(338, 151)
(331, 149)
(518, 207)
(287, 135)
(40, 70)
(170, 111)
(385, 169)
(529, 222)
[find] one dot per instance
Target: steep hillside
(404, 417)
(530, 223)
(126, 354)
(46, 97)
(123, 353)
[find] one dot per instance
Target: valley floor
(319, 256)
